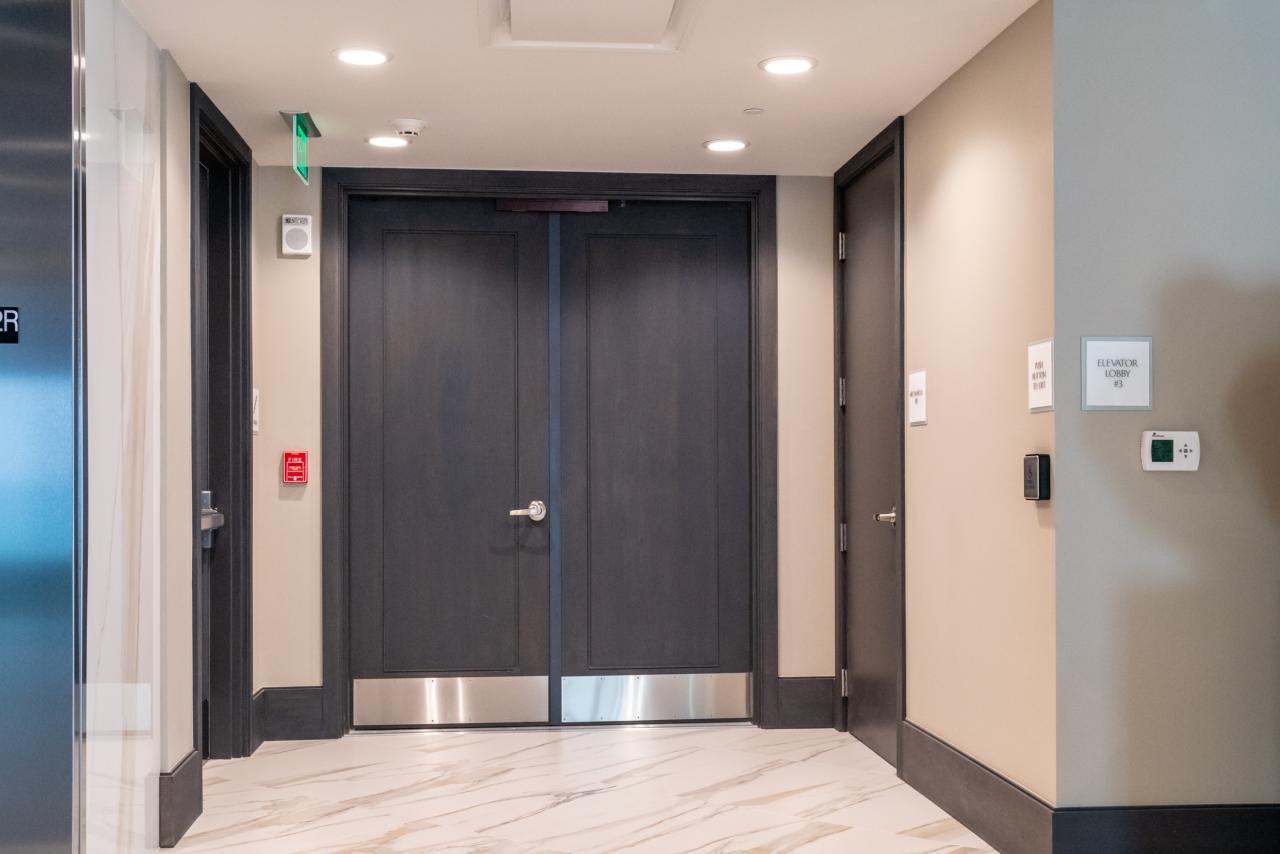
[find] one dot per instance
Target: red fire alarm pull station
(293, 468)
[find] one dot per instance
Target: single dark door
(656, 455)
(870, 296)
(221, 424)
(448, 422)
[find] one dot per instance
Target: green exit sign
(300, 148)
(304, 130)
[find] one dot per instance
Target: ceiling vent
(656, 26)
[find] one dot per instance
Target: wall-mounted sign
(293, 468)
(917, 400)
(300, 166)
(1040, 376)
(8, 325)
(304, 129)
(1115, 373)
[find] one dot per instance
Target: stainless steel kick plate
(449, 701)
(656, 697)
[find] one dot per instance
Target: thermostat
(1171, 450)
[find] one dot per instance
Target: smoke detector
(409, 129)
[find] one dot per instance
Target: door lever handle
(890, 518)
(536, 511)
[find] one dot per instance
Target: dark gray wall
(1167, 223)
(38, 429)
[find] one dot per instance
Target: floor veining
(667, 790)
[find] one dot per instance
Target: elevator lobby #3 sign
(1115, 373)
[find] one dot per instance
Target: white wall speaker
(295, 235)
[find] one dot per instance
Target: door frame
(341, 184)
(210, 130)
(887, 144)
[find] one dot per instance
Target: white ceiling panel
(574, 109)
(599, 21)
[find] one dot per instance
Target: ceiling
(521, 84)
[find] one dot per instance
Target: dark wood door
(870, 298)
(656, 447)
(222, 447)
(448, 424)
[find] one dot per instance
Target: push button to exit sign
(8, 325)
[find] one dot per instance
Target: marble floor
(637, 789)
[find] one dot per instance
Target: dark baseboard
(181, 798)
(287, 714)
(1244, 829)
(1007, 817)
(804, 702)
(257, 722)
(1014, 821)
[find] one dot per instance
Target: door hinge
(840, 393)
(844, 537)
(840, 245)
(844, 682)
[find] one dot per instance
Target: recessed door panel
(451, 566)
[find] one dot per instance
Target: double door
(549, 463)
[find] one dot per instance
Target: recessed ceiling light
(788, 64)
(362, 56)
(388, 141)
(753, 111)
(725, 144)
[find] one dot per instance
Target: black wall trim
(759, 191)
(1009, 818)
(288, 714)
(804, 702)
(1245, 829)
(181, 798)
(1015, 821)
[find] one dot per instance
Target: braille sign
(917, 401)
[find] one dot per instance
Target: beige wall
(175, 419)
(286, 321)
(1168, 585)
(979, 288)
(286, 372)
(806, 418)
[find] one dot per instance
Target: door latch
(211, 519)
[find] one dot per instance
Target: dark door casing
(560, 197)
(869, 294)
